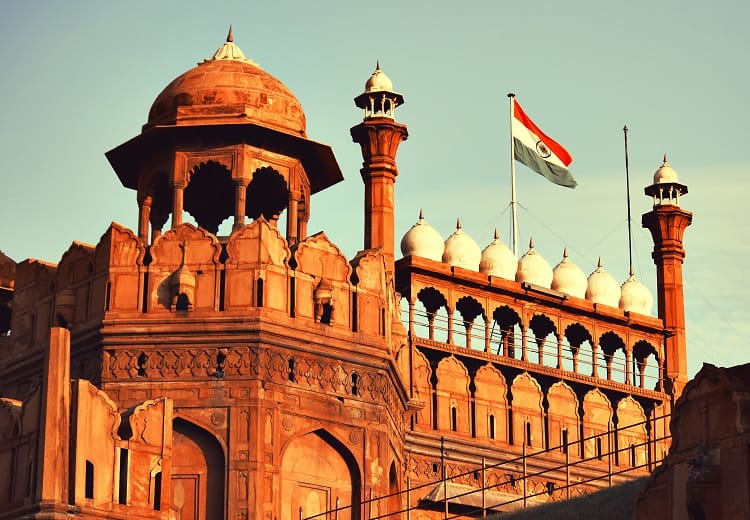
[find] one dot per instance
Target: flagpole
(627, 185)
(513, 203)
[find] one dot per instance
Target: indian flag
(538, 151)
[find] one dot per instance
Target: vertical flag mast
(627, 185)
(532, 147)
(513, 203)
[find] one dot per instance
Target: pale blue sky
(79, 77)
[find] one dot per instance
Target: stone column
(54, 436)
(179, 189)
(240, 200)
(144, 216)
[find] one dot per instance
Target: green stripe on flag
(551, 172)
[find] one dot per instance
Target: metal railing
(542, 351)
(565, 478)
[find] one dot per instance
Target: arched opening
(644, 355)
(470, 310)
(122, 481)
(609, 344)
(267, 194)
(355, 383)
(575, 335)
(183, 303)
(317, 472)
(88, 491)
(156, 492)
(209, 196)
(508, 321)
(259, 293)
(162, 201)
(542, 333)
(435, 306)
(197, 479)
(394, 498)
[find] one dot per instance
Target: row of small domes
(498, 260)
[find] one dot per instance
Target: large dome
(567, 277)
(602, 287)
(461, 250)
(423, 240)
(228, 88)
(533, 268)
(498, 260)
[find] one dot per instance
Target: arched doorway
(317, 471)
(197, 480)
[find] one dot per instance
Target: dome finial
(377, 64)
(565, 252)
(497, 235)
(421, 214)
(632, 271)
(665, 159)
(531, 243)
(230, 37)
(458, 223)
(599, 265)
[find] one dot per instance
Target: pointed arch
(452, 390)
(491, 404)
(563, 420)
(597, 424)
(631, 433)
(528, 413)
(422, 387)
(197, 475)
(316, 470)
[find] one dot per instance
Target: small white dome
(602, 287)
(665, 173)
(533, 268)
(422, 240)
(635, 297)
(498, 260)
(567, 277)
(461, 250)
(378, 82)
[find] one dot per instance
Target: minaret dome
(379, 99)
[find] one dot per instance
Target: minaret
(667, 223)
(379, 135)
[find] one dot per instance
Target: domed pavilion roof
(228, 88)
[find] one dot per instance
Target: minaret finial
(377, 64)
(230, 37)
(421, 214)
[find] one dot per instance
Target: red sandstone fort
(168, 372)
